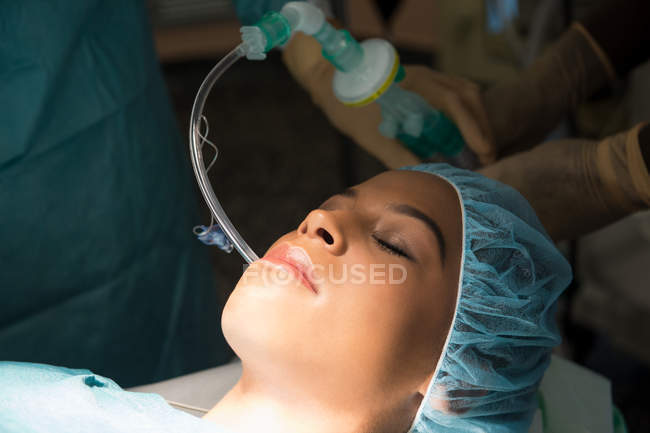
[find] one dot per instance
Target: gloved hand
(524, 110)
(578, 186)
(458, 98)
(250, 11)
(517, 114)
(302, 56)
(461, 101)
(507, 117)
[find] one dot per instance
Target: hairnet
(500, 340)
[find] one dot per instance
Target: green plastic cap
(276, 29)
(440, 135)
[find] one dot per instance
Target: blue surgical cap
(501, 337)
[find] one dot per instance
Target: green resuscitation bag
(99, 268)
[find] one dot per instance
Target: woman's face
(357, 301)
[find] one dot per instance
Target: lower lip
(292, 271)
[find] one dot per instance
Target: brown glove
(458, 98)
(578, 186)
(523, 111)
(509, 116)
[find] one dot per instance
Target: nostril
(329, 240)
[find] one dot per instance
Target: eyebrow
(412, 212)
(407, 210)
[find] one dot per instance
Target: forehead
(427, 192)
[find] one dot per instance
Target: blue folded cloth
(38, 398)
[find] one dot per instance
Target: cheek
(381, 323)
(400, 327)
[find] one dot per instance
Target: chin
(240, 324)
(254, 320)
(261, 320)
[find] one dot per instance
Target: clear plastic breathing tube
(344, 52)
(197, 140)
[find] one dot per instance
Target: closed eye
(390, 248)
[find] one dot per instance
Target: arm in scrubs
(98, 265)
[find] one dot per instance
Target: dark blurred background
(279, 156)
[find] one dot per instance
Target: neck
(250, 409)
(255, 405)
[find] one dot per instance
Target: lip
(295, 260)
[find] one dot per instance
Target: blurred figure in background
(98, 265)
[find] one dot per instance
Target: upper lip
(295, 260)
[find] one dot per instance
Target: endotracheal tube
(221, 233)
(365, 73)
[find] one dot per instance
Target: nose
(325, 228)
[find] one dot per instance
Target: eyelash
(390, 248)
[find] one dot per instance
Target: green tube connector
(276, 29)
(339, 48)
(439, 135)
